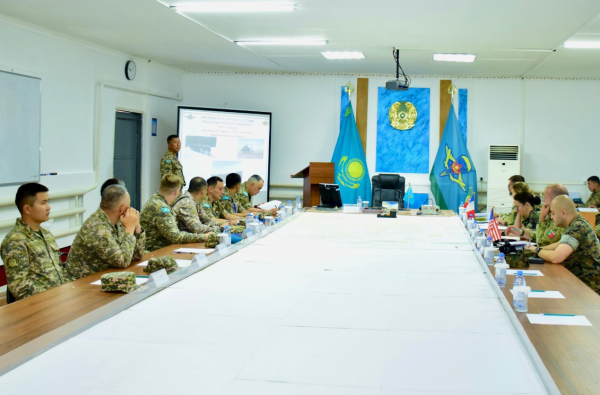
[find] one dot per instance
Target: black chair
(9, 297)
(387, 188)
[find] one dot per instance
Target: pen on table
(537, 290)
(559, 315)
(143, 276)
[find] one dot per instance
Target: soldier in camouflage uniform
(185, 209)
(158, 221)
(213, 205)
(546, 233)
(578, 249)
(248, 190)
(29, 252)
(513, 188)
(233, 185)
(169, 164)
(110, 237)
(593, 184)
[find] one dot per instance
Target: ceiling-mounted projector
(402, 81)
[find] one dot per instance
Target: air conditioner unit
(504, 161)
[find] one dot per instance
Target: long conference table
(324, 303)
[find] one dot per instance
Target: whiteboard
(20, 114)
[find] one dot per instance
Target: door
(127, 159)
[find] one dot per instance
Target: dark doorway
(127, 161)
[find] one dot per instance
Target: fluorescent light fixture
(454, 57)
(582, 44)
(236, 6)
(283, 42)
(343, 55)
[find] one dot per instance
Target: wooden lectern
(316, 173)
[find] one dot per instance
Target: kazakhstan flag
(351, 171)
(453, 172)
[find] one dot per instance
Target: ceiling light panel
(283, 42)
(582, 44)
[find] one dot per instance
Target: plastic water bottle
(228, 233)
(488, 252)
(520, 295)
(359, 202)
(461, 210)
(249, 219)
(501, 267)
(298, 204)
(519, 279)
(481, 240)
(289, 204)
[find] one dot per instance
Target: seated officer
(185, 209)
(528, 214)
(110, 237)
(247, 191)
(593, 201)
(578, 249)
(29, 252)
(233, 184)
(213, 205)
(158, 221)
(546, 233)
(514, 188)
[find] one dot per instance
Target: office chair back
(387, 188)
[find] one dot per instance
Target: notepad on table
(559, 319)
(544, 294)
(513, 272)
(194, 250)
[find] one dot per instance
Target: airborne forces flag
(453, 171)
(351, 171)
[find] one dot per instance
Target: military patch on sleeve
(166, 210)
(225, 197)
(205, 205)
(550, 234)
(13, 262)
(245, 193)
(167, 160)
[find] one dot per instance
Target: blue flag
(409, 196)
(453, 172)
(351, 171)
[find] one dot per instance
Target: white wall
(71, 74)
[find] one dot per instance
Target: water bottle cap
(298, 197)
(501, 255)
(489, 237)
(519, 272)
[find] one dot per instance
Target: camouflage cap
(164, 262)
(211, 241)
(118, 282)
(237, 229)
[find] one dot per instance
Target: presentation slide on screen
(219, 142)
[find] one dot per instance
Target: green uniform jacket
(32, 261)
(169, 164)
(160, 225)
(593, 200)
(584, 262)
(100, 245)
(185, 210)
(243, 199)
(547, 232)
(216, 209)
(230, 203)
(510, 217)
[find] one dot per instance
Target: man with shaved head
(110, 237)
(578, 249)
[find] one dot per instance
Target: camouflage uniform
(243, 199)
(215, 209)
(531, 221)
(546, 233)
(160, 225)
(584, 262)
(169, 164)
(100, 245)
(229, 203)
(32, 261)
(185, 210)
(510, 217)
(594, 200)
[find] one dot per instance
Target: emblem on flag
(455, 168)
